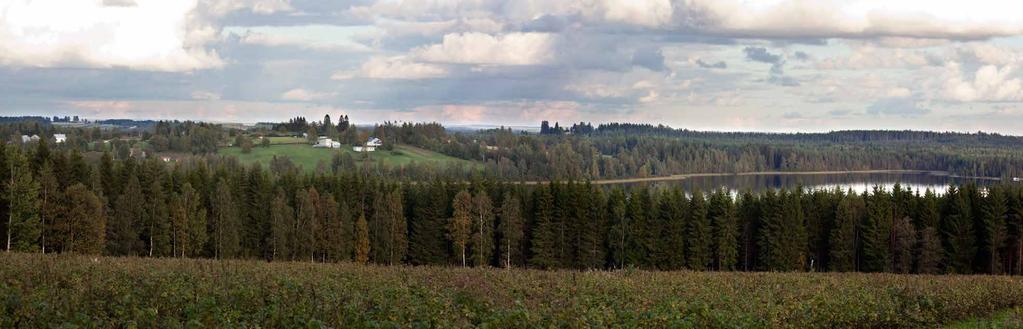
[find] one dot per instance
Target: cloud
(990, 83)
(717, 65)
(303, 95)
(979, 19)
(318, 37)
(152, 35)
(897, 106)
(650, 58)
(760, 54)
(398, 68)
(205, 95)
(777, 74)
(529, 48)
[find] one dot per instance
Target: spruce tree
(783, 238)
(929, 252)
(905, 236)
(877, 233)
(83, 227)
(700, 239)
(845, 235)
(122, 236)
(995, 232)
(726, 231)
(673, 219)
(619, 228)
(427, 225)
(22, 199)
(959, 234)
(543, 244)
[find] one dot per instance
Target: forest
(57, 201)
(608, 151)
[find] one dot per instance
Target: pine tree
(22, 198)
(511, 228)
(845, 234)
(460, 225)
(83, 227)
(700, 240)
(482, 230)
(391, 229)
(361, 240)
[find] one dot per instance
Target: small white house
(60, 138)
(371, 145)
(325, 142)
(28, 139)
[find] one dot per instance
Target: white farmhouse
(371, 145)
(326, 142)
(60, 138)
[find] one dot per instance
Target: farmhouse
(60, 138)
(326, 142)
(371, 145)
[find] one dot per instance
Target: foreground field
(308, 157)
(46, 291)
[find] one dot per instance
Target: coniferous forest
(57, 201)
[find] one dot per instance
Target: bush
(78, 291)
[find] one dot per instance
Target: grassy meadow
(86, 291)
(308, 157)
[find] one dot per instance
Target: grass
(286, 140)
(1007, 319)
(83, 291)
(309, 157)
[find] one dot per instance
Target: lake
(858, 182)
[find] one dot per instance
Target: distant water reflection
(857, 182)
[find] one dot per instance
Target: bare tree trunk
(10, 214)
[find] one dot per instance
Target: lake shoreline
(679, 177)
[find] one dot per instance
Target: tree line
(57, 201)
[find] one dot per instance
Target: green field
(86, 291)
(309, 157)
(286, 140)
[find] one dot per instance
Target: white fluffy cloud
(977, 19)
(479, 48)
(398, 68)
(149, 35)
(305, 95)
(990, 83)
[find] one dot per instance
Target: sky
(734, 65)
